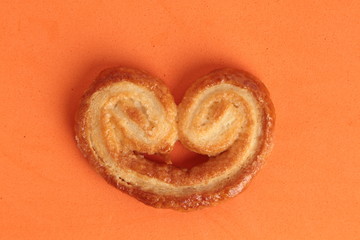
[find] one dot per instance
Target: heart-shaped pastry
(127, 114)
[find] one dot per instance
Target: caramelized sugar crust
(227, 115)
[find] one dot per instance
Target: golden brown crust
(164, 185)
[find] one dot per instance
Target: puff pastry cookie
(127, 113)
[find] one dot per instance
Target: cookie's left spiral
(125, 114)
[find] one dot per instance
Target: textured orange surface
(306, 52)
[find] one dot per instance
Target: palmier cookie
(127, 114)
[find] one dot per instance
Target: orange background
(306, 52)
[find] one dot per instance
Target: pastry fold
(126, 114)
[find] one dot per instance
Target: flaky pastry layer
(127, 113)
